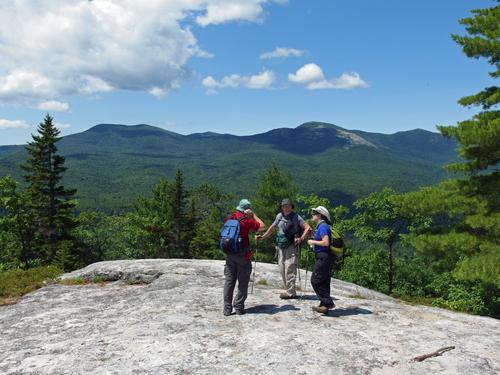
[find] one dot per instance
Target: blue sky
(234, 66)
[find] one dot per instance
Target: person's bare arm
(306, 230)
(250, 214)
(267, 233)
(325, 241)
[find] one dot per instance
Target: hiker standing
(322, 270)
(238, 266)
(291, 232)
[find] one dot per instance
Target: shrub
(15, 283)
(473, 297)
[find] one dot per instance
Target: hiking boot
(227, 312)
(332, 306)
(320, 309)
(288, 296)
(240, 312)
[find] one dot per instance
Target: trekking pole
(307, 269)
(297, 251)
(255, 263)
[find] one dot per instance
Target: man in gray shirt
(291, 231)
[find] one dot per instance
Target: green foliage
(468, 296)
(210, 207)
(464, 238)
(17, 229)
(17, 282)
(163, 222)
(96, 235)
(380, 220)
(367, 268)
(411, 276)
(275, 184)
(111, 165)
(52, 205)
(74, 281)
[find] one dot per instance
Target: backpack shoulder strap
(233, 217)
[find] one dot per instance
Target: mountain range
(112, 164)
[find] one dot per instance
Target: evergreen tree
(182, 219)
(210, 207)
(479, 148)
(153, 218)
(16, 225)
(165, 220)
(53, 207)
(274, 185)
(479, 137)
(465, 234)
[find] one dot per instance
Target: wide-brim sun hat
(322, 211)
(244, 205)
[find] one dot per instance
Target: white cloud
(262, 80)
(53, 105)
(218, 12)
(158, 92)
(209, 82)
(13, 124)
(345, 81)
(282, 52)
(56, 48)
(307, 73)
(311, 75)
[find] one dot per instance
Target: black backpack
(293, 228)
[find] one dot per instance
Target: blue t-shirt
(322, 230)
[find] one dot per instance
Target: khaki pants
(287, 261)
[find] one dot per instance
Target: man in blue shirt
(322, 270)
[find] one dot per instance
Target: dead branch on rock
(437, 353)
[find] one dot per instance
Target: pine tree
(274, 185)
(52, 203)
(182, 220)
(465, 235)
(479, 137)
(16, 223)
(166, 220)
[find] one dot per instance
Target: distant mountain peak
(106, 127)
(317, 125)
(133, 131)
(354, 139)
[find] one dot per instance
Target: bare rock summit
(165, 317)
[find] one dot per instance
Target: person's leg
(291, 261)
(320, 279)
(230, 272)
(243, 275)
(281, 264)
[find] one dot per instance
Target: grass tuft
(16, 283)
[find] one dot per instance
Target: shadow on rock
(312, 297)
(335, 313)
(270, 309)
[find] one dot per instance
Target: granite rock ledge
(164, 316)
